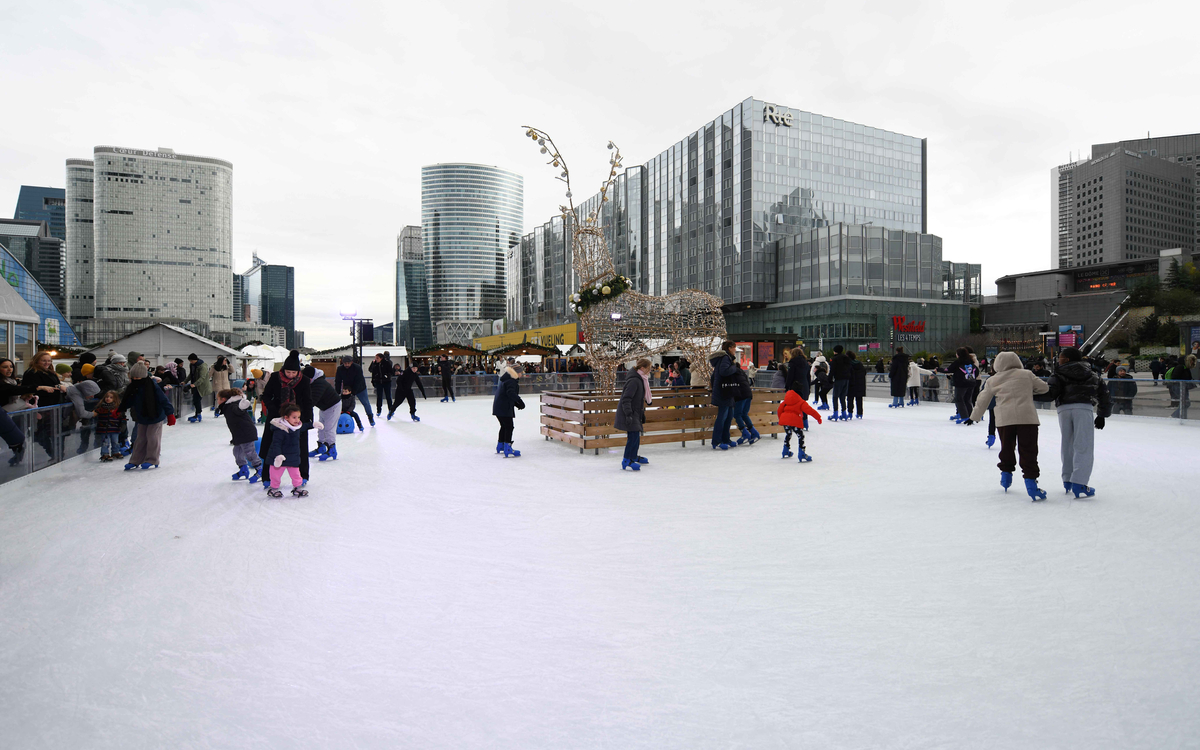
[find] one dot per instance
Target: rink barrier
(585, 419)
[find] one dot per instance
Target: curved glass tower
(471, 217)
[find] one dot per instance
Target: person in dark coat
(149, 407)
(41, 376)
(1157, 368)
(406, 380)
(1076, 389)
(350, 377)
(239, 418)
(898, 377)
(381, 381)
(1122, 389)
(631, 413)
(507, 398)
(738, 387)
(798, 379)
(839, 373)
(87, 358)
(328, 404)
(964, 376)
(288, 449)
(289, 385)
(446, 368)
(879, 371)
(858, 384)
(722, 368)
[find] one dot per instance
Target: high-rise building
(270, 293)
(471, 218)
(1123, 205)
(1062, 214)
(412, 327)
(81, 245)
(48, 204)
(41, 254)
(24, 247)
(160, 245)
(794, 219)
(1179, 149)
(240, 312)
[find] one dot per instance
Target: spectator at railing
(41, 376)
(14, 395)
(1122, 388)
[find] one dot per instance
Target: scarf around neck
(646, 382)
(287, 387)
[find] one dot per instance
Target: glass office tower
(270, 293)
(413, 328)
(48, 204)
(471, 218)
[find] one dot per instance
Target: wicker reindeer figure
(617, 323)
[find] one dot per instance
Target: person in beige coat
(1013, 388)
(915, 373)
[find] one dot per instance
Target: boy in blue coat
(284, 453)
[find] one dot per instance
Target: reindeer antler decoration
(556, 160)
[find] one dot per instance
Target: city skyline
(994, 120)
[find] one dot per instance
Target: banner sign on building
(766, 352)
(744, 353)
(1070, 335)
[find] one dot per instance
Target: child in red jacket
(791, 415)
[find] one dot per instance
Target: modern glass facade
(54, 328)
(163, 236)
(270, 293)
(42, 255)
(81, 245)
(48, 204)
(471, 218)
(412, 326)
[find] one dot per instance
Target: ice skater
(145, 401)
(915, 373)
(446, 369)
(792, 414)
(239, 418)
(381, 381)
(507, 398)
(1014, 389)
(898, 378)
(405, 381)
(288, 386)
(350, 378)
(110, 421)
(631, 413)
(286, 449)
(328, 404)
(822, 386)
(963, 373)
(858, 385)
(199, 383)
(1075, 389)
(743, 395)
(348, 407)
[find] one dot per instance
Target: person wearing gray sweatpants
(329, 404)
(1076, 390)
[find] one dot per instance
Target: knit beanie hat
(192, 357)
(87, 370)
(256, 372)
(118, 359)
(1071, 353)
(138, 371)
(309, 371)
(293, 360)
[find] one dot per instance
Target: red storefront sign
(902, 325)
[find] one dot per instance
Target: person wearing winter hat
(86, 370)
(350, 377)
(1075, 389)
(199, 384)
(288, 385)
(1015, 389)
(87, 359)
(149, 406)
(793, 413)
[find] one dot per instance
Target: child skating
(348, 407)
(110, 420)
(791, 416)
(1013, 388)
(239, 417)
(284, 454)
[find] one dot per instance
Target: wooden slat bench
(585, 419)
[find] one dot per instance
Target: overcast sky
(329, 110)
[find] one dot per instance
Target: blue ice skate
(641, 460)
(390, 414)
(331, 454)
(954, 417)
(149, 465)
(860, 416)
(1082, 490)
(1034, 492)
(823, 407)
(130, 467)
(991, 440)
(754, 435)
(804, 457)
(627, 464)
(1067, 486)
(415, 418)
(242, 473)
(499, 447)
(787, 452)
(510, 451)
(320, 449)
(445, 399)
(257, 475)
(1006, 480)
(722, 446)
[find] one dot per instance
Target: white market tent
(162, 343)
(263, 357)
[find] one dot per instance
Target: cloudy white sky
(328, 110)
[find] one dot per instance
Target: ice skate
(642, 460)
(1033, 490)
(1006, 480)
(991, 440)
(415, 418)
(243, 472)
(257, 475)
(1067, 486)
(445, 399)
(509, 451)
(299, 492)
(627, 464)
(130, 467)
(332, 454)
(149, 465)
(274, 492)
(390, 415)
(320, 449)
(722, 446)
(787, 452)
(804, 457)
(499, 447)
(754, 436)
(859, 416)
(823, 407)
(954, 417)
(1082, 490)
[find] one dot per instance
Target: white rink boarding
(431, 594)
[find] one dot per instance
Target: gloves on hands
(278, 461)
(1099, 423)
(317, 424)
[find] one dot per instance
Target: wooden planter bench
(585, 419)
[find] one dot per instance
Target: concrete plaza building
(471, 216)
(150, 240)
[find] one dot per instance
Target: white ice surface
(430, 594)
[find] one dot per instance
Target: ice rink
(431, 594)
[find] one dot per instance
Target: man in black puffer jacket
(839, 370)
(1075, 389)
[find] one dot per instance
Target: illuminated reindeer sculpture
(617, 323)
